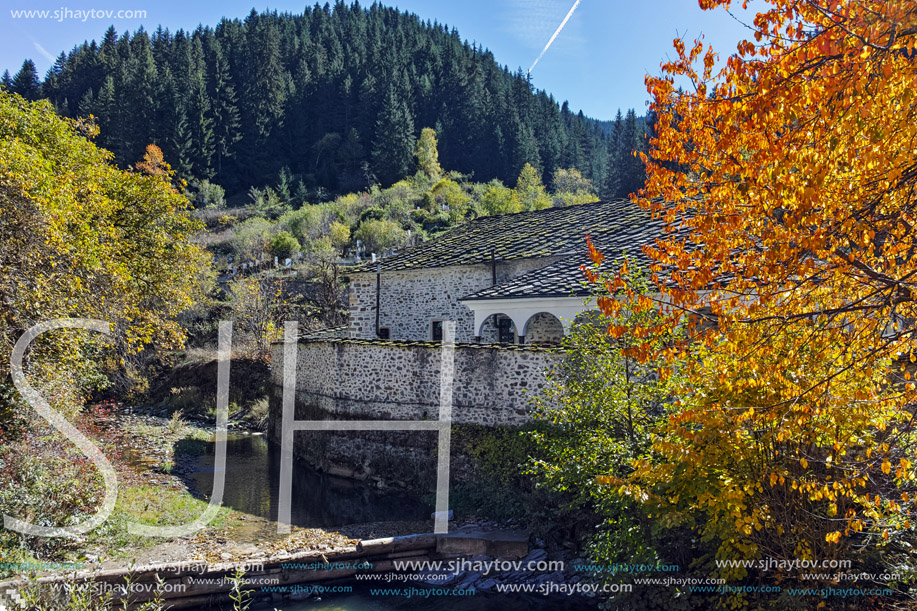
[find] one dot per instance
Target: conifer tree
(26, 82)
(613, 168)
(104, 107)
(137, 101)
(393, 146)
(632, 143)
(181, 145)
(226, 124)
(200, 122)
(86, 106)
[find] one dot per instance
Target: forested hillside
(335, 97)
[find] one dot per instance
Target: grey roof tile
(542, 233)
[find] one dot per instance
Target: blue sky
(597, 62)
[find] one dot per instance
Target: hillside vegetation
(334, 97)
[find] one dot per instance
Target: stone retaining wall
(376, 380)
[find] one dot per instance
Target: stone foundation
(375, 380)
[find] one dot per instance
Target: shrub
(49, 482)
(372, 214)
(250, 238)
(379, 236)
(186, 399)
(308, 223)
(260, 413)
(339, 234)
(450, 197)
(283, 245)
(267, 203)
(598, 416)
(209, 195)
(498, 199)
(500, 488)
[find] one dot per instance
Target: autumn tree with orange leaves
(788, 181)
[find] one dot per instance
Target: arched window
(498, 329)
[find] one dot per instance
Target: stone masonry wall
(363, 380)
(544, 328)
(410, 300)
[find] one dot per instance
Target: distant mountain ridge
(335, 96)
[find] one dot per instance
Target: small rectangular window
(436, 330)
(385, 333)
(505, 330)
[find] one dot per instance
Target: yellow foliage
(81, 238)
(789, 182)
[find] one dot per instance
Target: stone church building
(508, 279)
(512, 284)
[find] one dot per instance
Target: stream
(318, 500)
(323, 501)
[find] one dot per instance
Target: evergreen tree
(393, 146)
(181, 145)
(633, 174)
(525, 150)
(136, 99)
(26, 82)
(349, 156)
(87, 104)
(226, 124)
(266, 88)
(613, 171)
(200, 122)
(53, 83)
(104, 107)
(247, 97)
(108, 54)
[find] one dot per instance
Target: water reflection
(319, 500)
(253, 467)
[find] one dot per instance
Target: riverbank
(162, 459)
(160, 469)
(154, 458)
(423, 565)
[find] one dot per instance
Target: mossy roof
(560, 279)
(613, 225)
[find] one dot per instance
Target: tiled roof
(540, 233)
(560, 279)
(564, 278)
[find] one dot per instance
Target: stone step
(500, 543)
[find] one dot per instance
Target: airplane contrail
(44, 52)
(554, 35)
